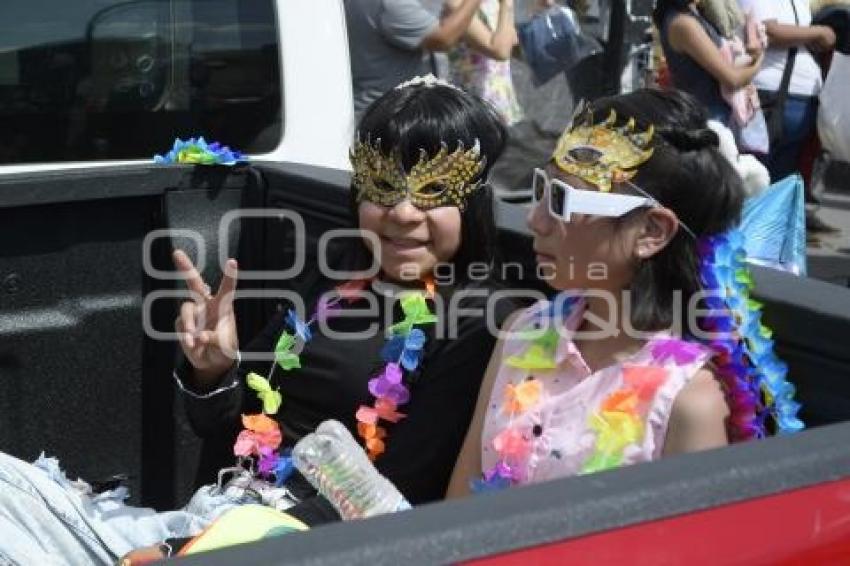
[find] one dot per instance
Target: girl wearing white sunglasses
(599, 377)
(630, 222)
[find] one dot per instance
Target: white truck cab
(104, 83)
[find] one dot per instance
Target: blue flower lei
(753, 376)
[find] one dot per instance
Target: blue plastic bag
(552, 42)
(774, 226)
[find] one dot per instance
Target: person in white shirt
(788, 25)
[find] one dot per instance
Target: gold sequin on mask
(602, 154)
(447, 179)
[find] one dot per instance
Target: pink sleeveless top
(549, 416)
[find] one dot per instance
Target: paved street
(829, 255)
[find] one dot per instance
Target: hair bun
(692, 140)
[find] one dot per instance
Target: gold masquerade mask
(602, 154)
(447, 179)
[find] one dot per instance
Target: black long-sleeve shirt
(332, 383)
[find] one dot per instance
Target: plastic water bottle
(337, 466)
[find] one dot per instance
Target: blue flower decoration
(751, 372)
(773, 373)
(495, 483)
(561, 306)
(405, 350)
(391, 352)
(298, 326)
(785, 414)
(284, 468)
(498, 477)
(198, 151)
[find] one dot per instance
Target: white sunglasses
(566, 200)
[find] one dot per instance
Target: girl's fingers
(187, 323)
(193, 279)
(194, 319)
(195, 344)
(188, 316)
(209, 338)
(185, 342)
(227, 287)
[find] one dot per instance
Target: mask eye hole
(584, 154)
(384, 186)
(432, 190)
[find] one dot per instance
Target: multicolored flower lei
(619, 422)
(403, 351)
(198, 151)
(622, 416)
(511, 444)
(262, 437)
(752, 375)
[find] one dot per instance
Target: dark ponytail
(687, 174)
(691, 140)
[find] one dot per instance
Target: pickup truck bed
(80, 379)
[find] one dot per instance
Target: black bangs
(422, 118)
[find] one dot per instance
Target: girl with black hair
(794, 42)
(652, 346)
(691, 46)
(376, 354)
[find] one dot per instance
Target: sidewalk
(829, 254)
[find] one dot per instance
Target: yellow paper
(246, 523)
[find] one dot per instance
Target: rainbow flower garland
(753, 377)
(261, 437)
(403, 351)
(752, 374)
(511, 444)
(198, 151)
(619, 421)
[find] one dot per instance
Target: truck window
(109, 79)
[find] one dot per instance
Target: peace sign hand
(207, 325)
